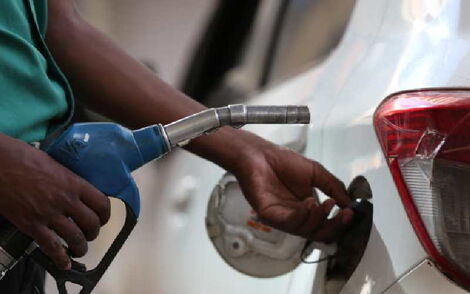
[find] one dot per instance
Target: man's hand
(278, 183)
(46, 201)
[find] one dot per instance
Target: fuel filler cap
(243, 240)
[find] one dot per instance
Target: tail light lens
(425, 136)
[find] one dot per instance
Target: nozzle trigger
(79, 275)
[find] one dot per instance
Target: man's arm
(276, 181)
(109, 81)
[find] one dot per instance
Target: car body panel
(425, 279)
(417, 44)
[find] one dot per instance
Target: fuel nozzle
(180, 132)
(105, 154)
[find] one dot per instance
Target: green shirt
(35, 97)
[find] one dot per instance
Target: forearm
(114, 84)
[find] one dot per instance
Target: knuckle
(52, 245)
(68, 202)
(40, 213)
(49, 218)
(317, 168)
(75, 180)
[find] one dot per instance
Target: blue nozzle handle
(105, 154)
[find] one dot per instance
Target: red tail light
(425, 136)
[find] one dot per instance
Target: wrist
(228, 147)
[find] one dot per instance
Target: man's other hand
(46, 201)
(278, 183)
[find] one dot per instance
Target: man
(47, 201)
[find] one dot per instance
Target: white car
(385, 81)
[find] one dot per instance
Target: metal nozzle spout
(239, 114)
(180, 132)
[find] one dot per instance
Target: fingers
(50, 244)
(310, 220)
(87, 220)
(83, 226)
(96, 201)
(332, 228)
(84, 223)
(80, 223)
(329, 184)
(316, 215)
(72, 235)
